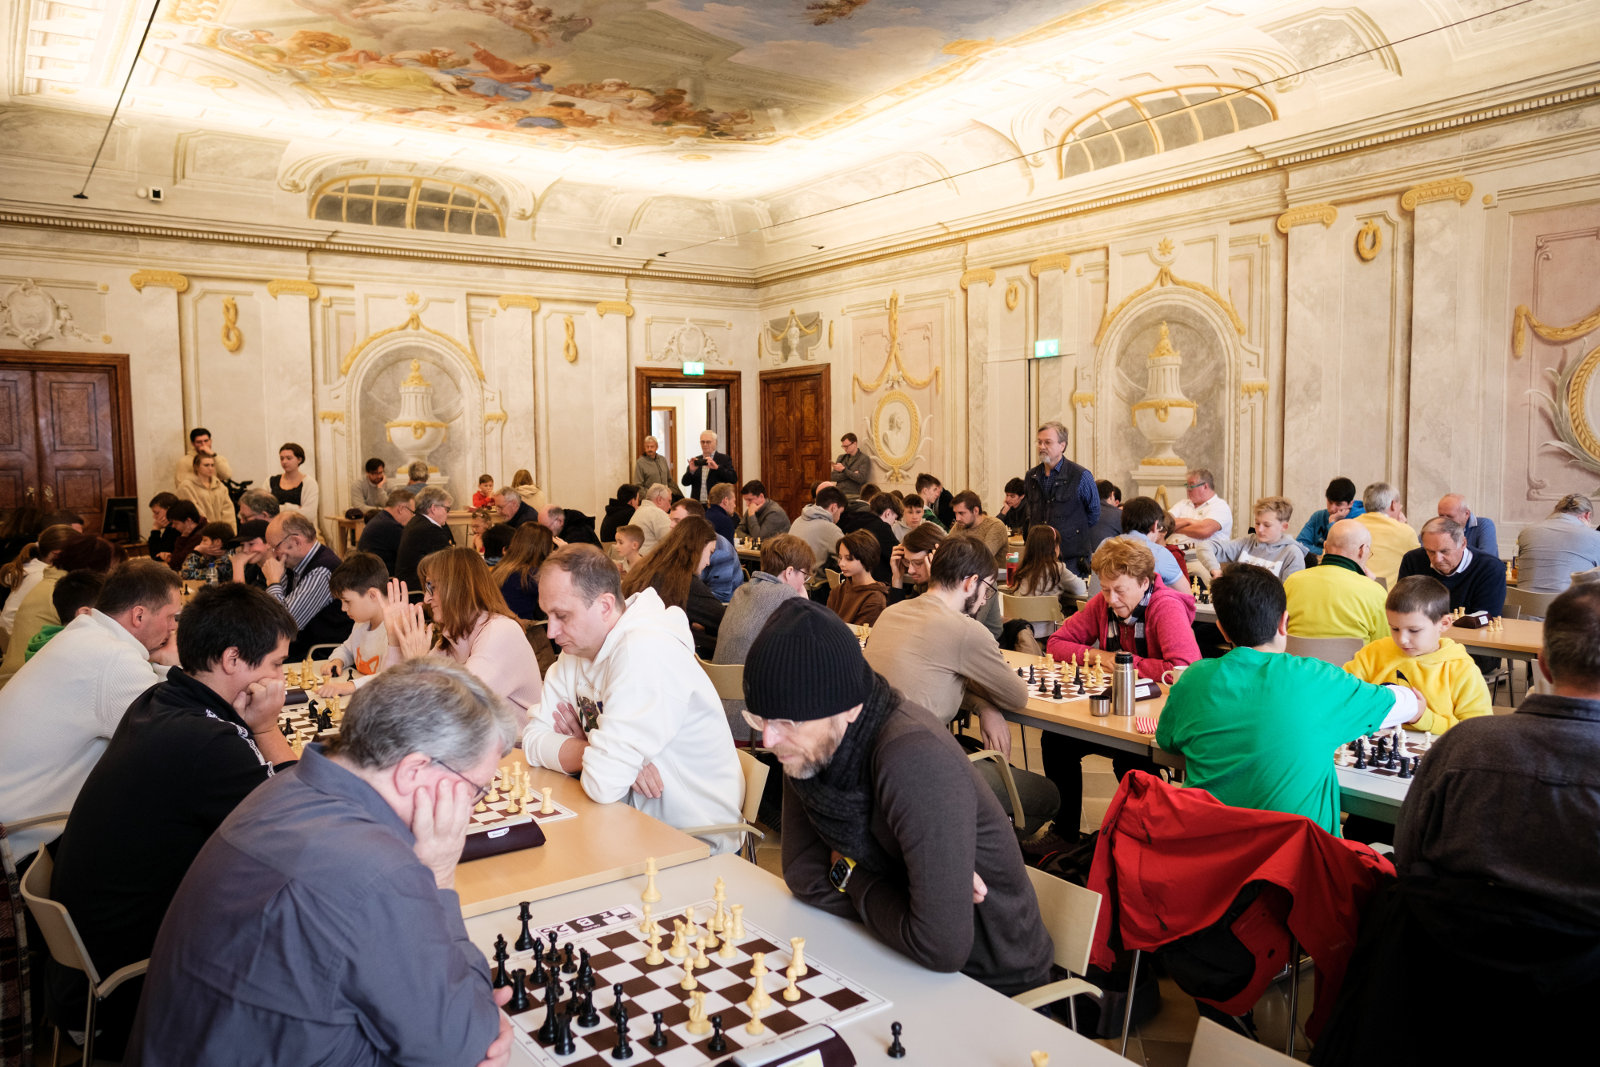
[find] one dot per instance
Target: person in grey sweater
(818, 524)
(884, 819)
(786, 563)
(852, 469)
(762, 517)
(651, 467)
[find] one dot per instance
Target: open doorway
(675, 410)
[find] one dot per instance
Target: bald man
(1338, 598)
(1480, 533)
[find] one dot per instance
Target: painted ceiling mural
(611, 73)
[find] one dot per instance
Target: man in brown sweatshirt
(884, 819)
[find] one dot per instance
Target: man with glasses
(941, 658)
(626, 706)
(786, 564)
(884, 819)
(1061, 493)
(321, 921)
(381, 535)
(297, 573)
(426, 533)
(1203, 516)
(909, 564)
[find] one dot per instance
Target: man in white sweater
(61, 709)
(627, 705)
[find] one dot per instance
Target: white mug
(1169, 677)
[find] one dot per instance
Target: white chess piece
(797, 955)
(651, 894)
(547, 807)
(755, 1025)
(738, 921)
(791, 992)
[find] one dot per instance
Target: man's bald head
(1348, 538)
(1453, 506)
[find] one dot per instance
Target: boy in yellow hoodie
(1417, 654)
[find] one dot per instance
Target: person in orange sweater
(1417, 654)
(859, 598)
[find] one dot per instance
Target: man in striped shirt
(297, 577)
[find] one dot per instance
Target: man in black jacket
(426, 533)
(708, 469)
(381, 535)
(1064, 495)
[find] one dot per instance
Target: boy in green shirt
(1258, 727)
(73, 595)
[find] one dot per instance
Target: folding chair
(1070, 913)
(755, 783)
(1335, 650)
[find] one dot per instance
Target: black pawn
(565, 1046)
(569, 965)
(623, 1049)
(551, 952)
(1055, 690)
(659, 1038)
(585, 972)
(1030, 676)
(550, 1029)
(539, 975)
(519, 991)
(718, 1043)
(500, 957)
(1019, 672)
(588, 1016)
(525, 938)
(618, 1010)
(896, 1049)
(1361, 759)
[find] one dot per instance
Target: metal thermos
(1124, 680)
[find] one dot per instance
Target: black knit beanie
(804, 665)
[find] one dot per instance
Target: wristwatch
(839, 873)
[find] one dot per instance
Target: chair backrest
(1529, 605)
(1335, 650)
(728, 678)
(1218, 1046)
(755, 784)
(60, 935)
(1070, 913)
(538, 635)
(833, 578)
(1198, 570)
(1030, 608)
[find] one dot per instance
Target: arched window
(1157, 121)
(408, 203)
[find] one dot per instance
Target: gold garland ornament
(569, 347)
(1369, 242)
(894, 371)
(1523, 319)
(232, 339)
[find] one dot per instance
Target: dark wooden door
(66, 432)
(795, 439)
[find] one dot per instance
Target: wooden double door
(66, 435)
(796, 446)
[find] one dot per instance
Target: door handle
(49, 495)
(32, 492)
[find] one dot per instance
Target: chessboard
(1386, 755)
(1059, 684)
(309, 720)
(602, 955)
(514, 800)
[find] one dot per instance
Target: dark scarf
(1135, 619)
(838, 798)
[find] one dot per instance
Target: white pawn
(648, 924)
(791, 992)
(654, 957)
(688, 981)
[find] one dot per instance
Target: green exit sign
(1046, 349)
(693, 369)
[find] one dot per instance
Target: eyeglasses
(759, 725)
(1194, 485)
(990, 583)
(482, 790)
(427, 587)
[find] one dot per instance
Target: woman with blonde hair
(207, 492)
(673, 569)
(474, 626)
(531, 494)
(28, 570)
(517, 573)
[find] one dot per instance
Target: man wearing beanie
(884, 819)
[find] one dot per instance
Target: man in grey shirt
(320, 923)
(1552, 550)
(651, 467)
(368, 491)
(852, 469)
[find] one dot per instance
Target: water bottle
(1124, 681)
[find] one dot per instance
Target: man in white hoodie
(627, 705)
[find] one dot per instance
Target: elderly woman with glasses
(474, 626)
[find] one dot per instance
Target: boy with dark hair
(1015, 512)
(211, 553)
(1143, 520)
(1342, 504)
(1419, 655)
(360, 583)
(629, 540)
(73, 595)
(939, 503)
(1224, 716)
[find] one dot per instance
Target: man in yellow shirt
(1418, 654)
(1385, 520)
(1339, 597)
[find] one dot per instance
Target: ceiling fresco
(609, 73)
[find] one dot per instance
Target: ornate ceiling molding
(1458, 189)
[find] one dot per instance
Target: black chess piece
(569, 964)
(588, 1016)
(565, 1046)
(618, 1010)
(551, 952)
(550, 1029)
(1056, 691)
(896, 1049)
(659, 1038)
(718, 1043)
(585, 972)
(539, 975)
(1405, 767)
(1019, 675)
(500, 957)
(525, 938)
(1361, 759)
(519, 991)
(1031, 678)
(623, 1050)
(288, 731)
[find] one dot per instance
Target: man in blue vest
(1062, 494)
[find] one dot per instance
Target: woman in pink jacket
(475, 627)
(1133, 612)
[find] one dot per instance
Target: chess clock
(815, 1046)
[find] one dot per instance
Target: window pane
(1215, 119)
(1137, 142)
(460, 222)
(1251, 112)
(328, 207)
(429, 218)
(464, 199)
(395, 190)
(433, 194)
(362, 188)
(487, 226)
(1103, 150)
(391, 214)
(1076, 161)
(1176, 131)
(358, 211)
